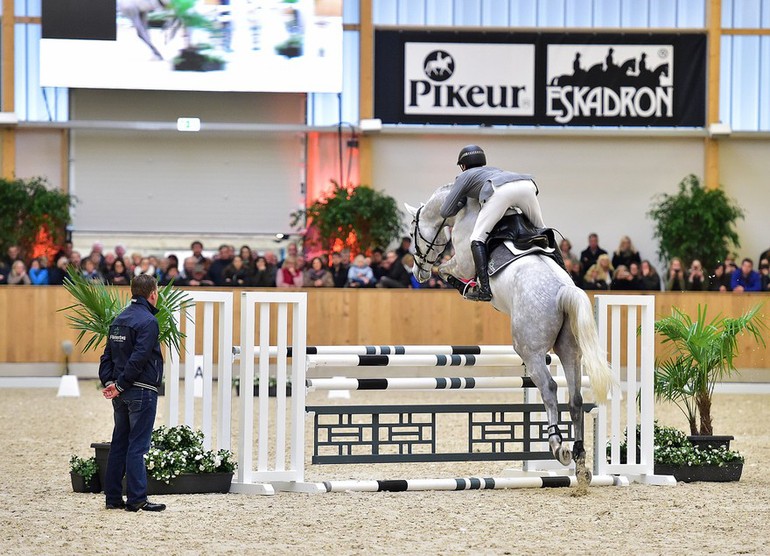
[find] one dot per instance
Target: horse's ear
(410, 209)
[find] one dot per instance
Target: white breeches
(520, 193)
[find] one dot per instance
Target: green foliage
(97, 306)
(695, 223)
(86, 468)
(701, 353)
(179, 449)
(371, 216)
(26, 206)
(672, 447)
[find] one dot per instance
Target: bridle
(431, 245)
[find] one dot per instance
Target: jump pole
(431, 383)
(390, 350)
(468, 483)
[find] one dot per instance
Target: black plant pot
(79, 483)
(186, 483)
(703, 442)
(191, 59)
(711, 473)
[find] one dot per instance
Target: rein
(431, 244)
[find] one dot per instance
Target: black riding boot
(480, 259)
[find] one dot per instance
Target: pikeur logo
(469, 79)
(609, 81)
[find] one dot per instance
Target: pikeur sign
(500, 78)
(447, 78)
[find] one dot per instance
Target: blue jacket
(132, 356)
(750, 283)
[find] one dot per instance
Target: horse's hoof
(563, 455)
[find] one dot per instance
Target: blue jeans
(134, 413)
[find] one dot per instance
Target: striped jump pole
(391, 350)
(434, 360)
(430, 383)
(468, 483)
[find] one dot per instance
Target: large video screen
(194, 45)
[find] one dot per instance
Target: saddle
(515, 237)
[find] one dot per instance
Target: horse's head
(429, 236)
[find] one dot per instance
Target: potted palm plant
(700, 353)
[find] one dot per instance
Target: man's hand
(111, 392)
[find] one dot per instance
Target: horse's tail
(575, 303)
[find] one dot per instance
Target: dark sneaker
(145, 506)
(115, 505)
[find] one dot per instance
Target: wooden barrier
(32, 329)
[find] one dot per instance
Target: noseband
(431, 244)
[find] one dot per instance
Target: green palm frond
(97, 306)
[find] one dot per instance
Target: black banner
(559, 79)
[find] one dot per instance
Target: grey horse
(547, 312)
(136, 11)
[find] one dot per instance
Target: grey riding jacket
(477, 183)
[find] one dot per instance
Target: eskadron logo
(609, 81)
(469, 79)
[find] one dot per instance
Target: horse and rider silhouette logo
(439, 65)
(632, 72)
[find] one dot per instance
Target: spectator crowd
(593, 269)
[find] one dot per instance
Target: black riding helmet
(472, 156)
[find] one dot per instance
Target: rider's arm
(456, 198)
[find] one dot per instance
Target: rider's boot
(483, 293)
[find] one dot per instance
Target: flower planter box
(711, 473)
(272, 390)
(702, 442)
(186, 483)
(79, 483)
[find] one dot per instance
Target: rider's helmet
(471, 156)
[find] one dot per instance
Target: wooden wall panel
(32, 329)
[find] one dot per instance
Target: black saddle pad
(515, 237)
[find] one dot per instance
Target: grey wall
(227, 182)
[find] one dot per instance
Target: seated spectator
(765, 255)
(144, 267)
(188, 266)
(317, 275)
(649, 280)
(172, 275)
(91, 272)
(677, 278)
(57, 273)
(136, 260)
(38, 271)
(720, 279)
(75, 259)
(97, 255)
(199, 276)
(596, 278)
(263, 276)
(359, 274)
(65, 251)
(398, 274)
(12, 254)
(247, 256)
(18, 275)
(590, 255)
(288, 275)
(217, 269)
(404, 248)
(339, 271)
(623, 280)
(109, 259)
(4, 273)
(197, 252)
(377, 264)
(604, 264)
(292, 252)
(744, 279)
(236, 273)
(764, 272)
(696, 279)
(120, 252)
(625, 254)
(118, 274)
(573, 269)
(565, 246)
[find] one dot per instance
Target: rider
(497, 191)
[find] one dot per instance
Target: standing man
(497, 191)
(131, 369)
(591, 254)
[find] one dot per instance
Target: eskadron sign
(540, 79)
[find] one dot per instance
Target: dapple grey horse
(547, 312)
(136, 11)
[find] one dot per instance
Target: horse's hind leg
(569, 354)
(545, 383)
